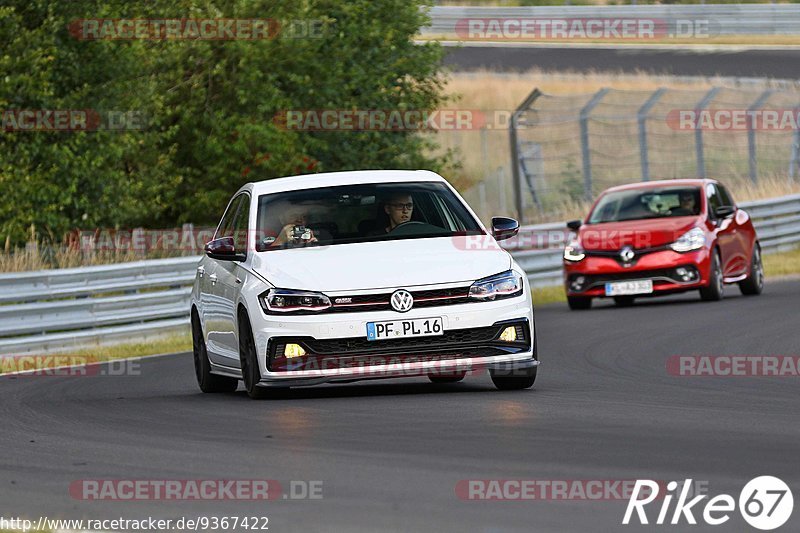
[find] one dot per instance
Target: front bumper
(587, 278)
(339, 352)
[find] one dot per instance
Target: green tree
(209, 107)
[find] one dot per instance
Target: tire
(249, 360)
(447, 378)
(207, 381)
(716, 287)
(522, 379)
(624, 301)
(753, 285)
(577, 303)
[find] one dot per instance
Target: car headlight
(693, 239)
(290, 301)
(573, 252)
(503, 285)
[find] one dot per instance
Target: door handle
(213, 278)
(201, 271)
(238, 281)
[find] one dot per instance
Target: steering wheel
(407, 224)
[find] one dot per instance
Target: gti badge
(627, 254)
(402, 301)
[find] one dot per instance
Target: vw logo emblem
(402, 301)
(627, 254)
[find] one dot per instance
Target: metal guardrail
(57, 310)
(722, 19)
(777, 222)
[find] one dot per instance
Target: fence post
(584, 125)
(698, 133)
(641, 117)
(501, 189)
(751, 134)
(515, 162)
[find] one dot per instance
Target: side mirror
(574, 225)
(724, 211)
(504, 228)
(223, 249)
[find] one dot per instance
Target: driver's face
(399, 209)
(687, 201)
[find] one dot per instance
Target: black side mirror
(223, 249)
(574, 225)
(504, 228)
(724, 211)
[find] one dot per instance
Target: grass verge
(100, 354)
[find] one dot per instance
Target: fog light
(684, 273)
(293, 350)
(577, 283)
(509, 334)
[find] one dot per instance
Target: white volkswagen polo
(358, 275)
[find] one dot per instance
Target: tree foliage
(208, 106)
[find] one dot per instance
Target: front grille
(615, 254)
(663, 275)
(380, 302)
(453, 344)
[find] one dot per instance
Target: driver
(399, 207)
(687, 204)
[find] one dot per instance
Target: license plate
(626, 288)
(398, 329)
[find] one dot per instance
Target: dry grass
(92, 356)
(36, 258)
(782, 264)
(485, 154)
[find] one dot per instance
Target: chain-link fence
(570, 148)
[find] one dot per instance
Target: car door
(725, 230)
(230, 278)
(217, 310)
(740, 237)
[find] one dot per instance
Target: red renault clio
(661, 237)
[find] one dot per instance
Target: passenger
(294, 231)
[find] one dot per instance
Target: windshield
(360, 213)
(638, 204)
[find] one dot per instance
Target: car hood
(638, 234)
(386, 264)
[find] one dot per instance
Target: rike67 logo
(765, 503)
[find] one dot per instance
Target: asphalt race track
(679, 62)
(391, 453)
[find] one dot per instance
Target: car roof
(331, 179)
(662, 183)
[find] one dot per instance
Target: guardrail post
(751, 134)
(584, 125)
(641, 117)
(698, 133)
(515, 156)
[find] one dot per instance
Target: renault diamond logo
(402, 301)
(627, 254)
